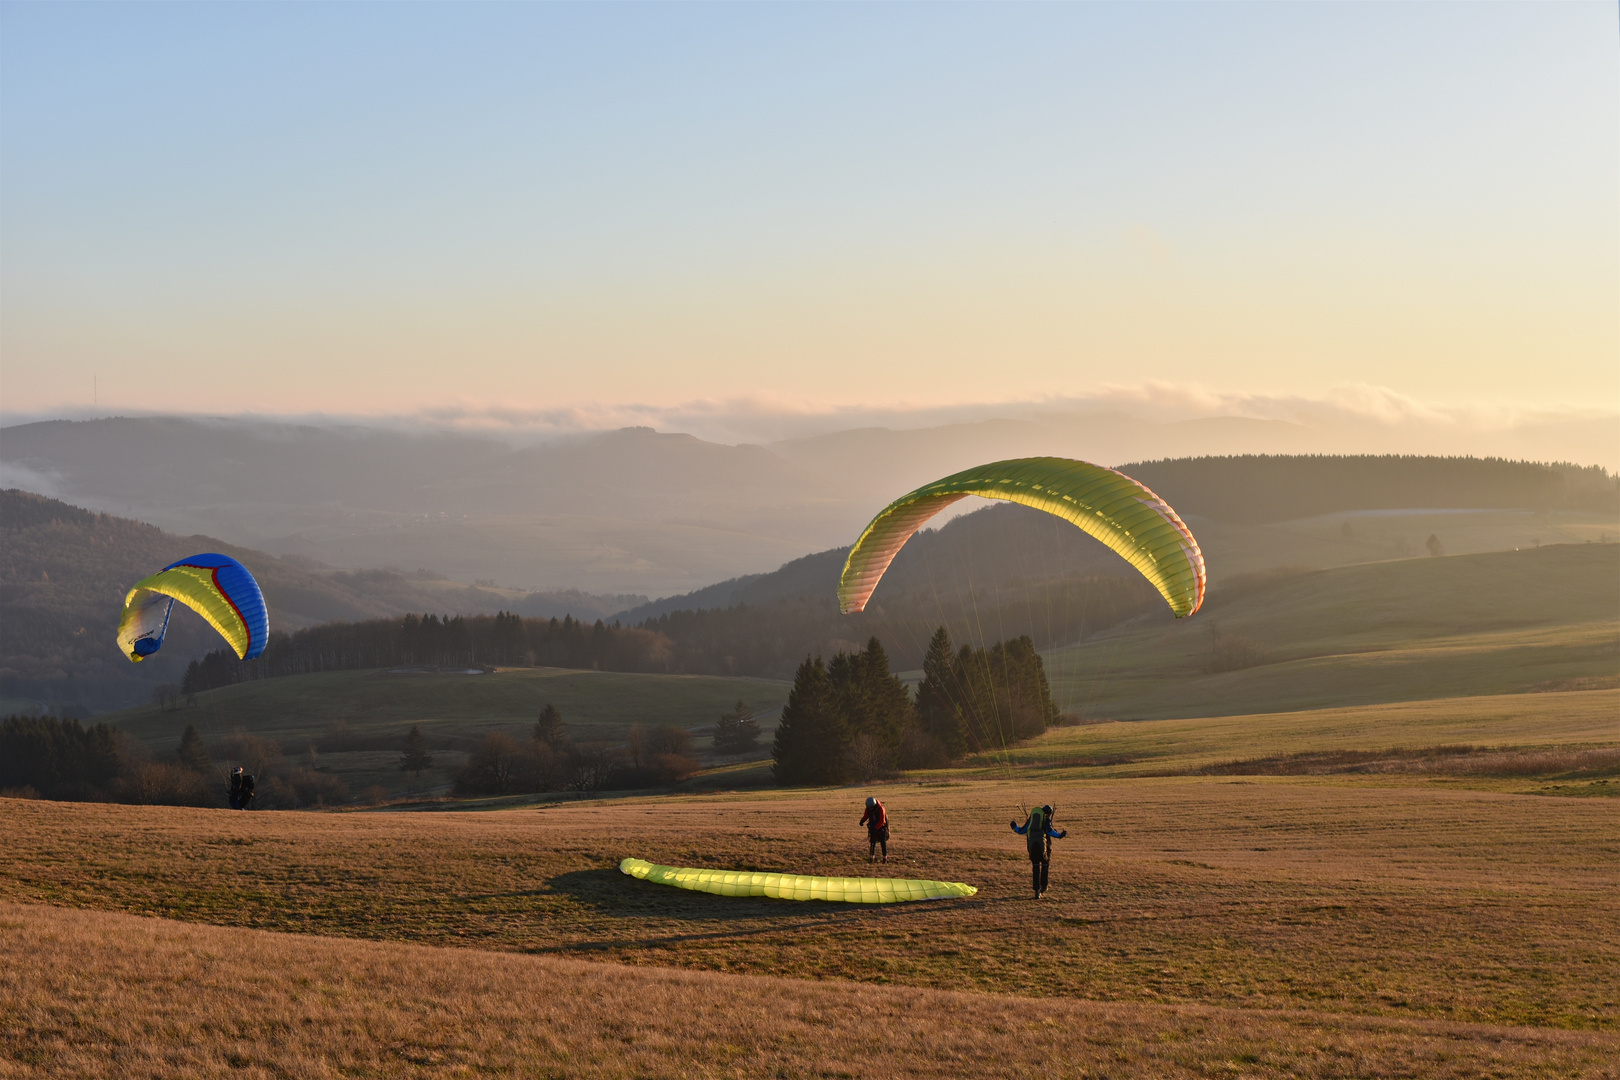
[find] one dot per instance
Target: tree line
(549, 760)
(431, 641)
(852, 719)
(763, 639)
(1282, 487)
(51, 758)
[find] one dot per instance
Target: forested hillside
(1002, 572)
(1265, 488)
(64, 572)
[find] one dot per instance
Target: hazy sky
(388, 208)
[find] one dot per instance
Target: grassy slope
(1365, 895)
(303, 706)
(90, 989)
(1422, 628)
(1242, 547)
(1306, 926)
(1568, 719)
(1411, 630)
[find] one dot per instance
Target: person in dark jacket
(876, 820)
(1038, 835)
(241, 792)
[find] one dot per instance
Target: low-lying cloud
(1350, 418)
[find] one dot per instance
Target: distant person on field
(876, 820)
(241, 789)
(1038, 835)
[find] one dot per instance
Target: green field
(1407, 631)
(1347, 538)
(1498, 623)
(356, 719)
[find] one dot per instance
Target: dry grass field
(95, 994)
(1374, 895)
(1445, 911)
(1555, 721)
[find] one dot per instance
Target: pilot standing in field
(241, 792)
(1038, 835)
(876, 820)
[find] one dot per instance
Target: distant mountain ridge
(637, 511)
(1266, 488)
(626, 511)
(1223, 499)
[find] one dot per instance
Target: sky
(531, 210)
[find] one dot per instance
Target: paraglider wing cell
(795, 886)
(1123, 514)
(217, 587)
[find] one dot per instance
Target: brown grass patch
(1559, 763)
(100, 994)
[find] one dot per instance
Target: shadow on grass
(613, 893)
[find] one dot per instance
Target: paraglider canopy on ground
(796, 886)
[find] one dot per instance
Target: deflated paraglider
(1107, 504)
(851, 890)
(217, 587)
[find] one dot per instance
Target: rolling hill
(660, 513)
(1491, 623)
(1296, 640)
(64, 572)
(998, 572)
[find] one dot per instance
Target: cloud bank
(1350, 418)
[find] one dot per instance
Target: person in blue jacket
(1038, 834)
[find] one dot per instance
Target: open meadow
(1382, 634)
(1428, 923)
(1386, 844)
(88, 992)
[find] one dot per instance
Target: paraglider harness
(876, 820)
(1038, 834)
(241, 792)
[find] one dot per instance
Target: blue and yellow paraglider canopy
(217, 587)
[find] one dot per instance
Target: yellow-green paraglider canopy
(795, 886)
(1109, 505)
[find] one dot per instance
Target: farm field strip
(1497, 623)
(1101, 680)
(89, 988)
(1587, 718)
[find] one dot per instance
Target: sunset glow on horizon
(394, 209)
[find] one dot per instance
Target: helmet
(1047, 810)
(871, 801)
(237, 769)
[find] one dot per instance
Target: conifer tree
(873, 702)
(809, 743)
(736, 731)
(193, 752)
(548, 727)
(414, 756)
(938, 710)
